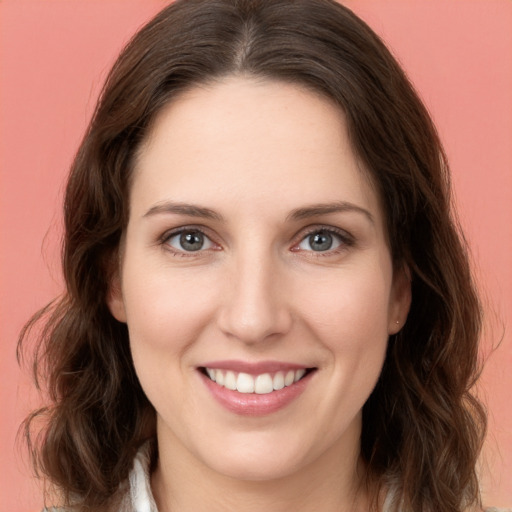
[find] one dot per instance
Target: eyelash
(164, 241)
(346, 241)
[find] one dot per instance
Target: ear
(400, 299)
(115, 300)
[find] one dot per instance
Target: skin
(254, 152)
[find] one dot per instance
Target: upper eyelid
(308, 230)
(169, 233)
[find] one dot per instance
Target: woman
(269, 305)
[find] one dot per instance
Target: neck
(331, 483)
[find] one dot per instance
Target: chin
(250, 470)
(258, 461)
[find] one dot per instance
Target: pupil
(192, 241)
(320, 241)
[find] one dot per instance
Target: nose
(255, 303)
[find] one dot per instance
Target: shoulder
(133, 494)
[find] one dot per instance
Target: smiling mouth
(260, 384)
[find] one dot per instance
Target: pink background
(54, 55)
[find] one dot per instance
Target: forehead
(246, 140)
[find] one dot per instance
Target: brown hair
(422, 428)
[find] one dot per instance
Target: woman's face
(256, 252)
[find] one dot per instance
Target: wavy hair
(422, 427)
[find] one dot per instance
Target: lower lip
(253, 404)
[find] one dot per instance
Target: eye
(322, 240)
(190, 240)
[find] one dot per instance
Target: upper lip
(253, 368)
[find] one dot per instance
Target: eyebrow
(190, 210)
(316, 210)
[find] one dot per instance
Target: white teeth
(230, 381)
(261, 384)
(219, 377)
(278, 382)
(290, 377)
(245, 383)
(299, 374)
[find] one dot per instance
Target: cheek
(350, 318)
(348, 308)
(348, 315)
(166, 309)
(167, 312)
